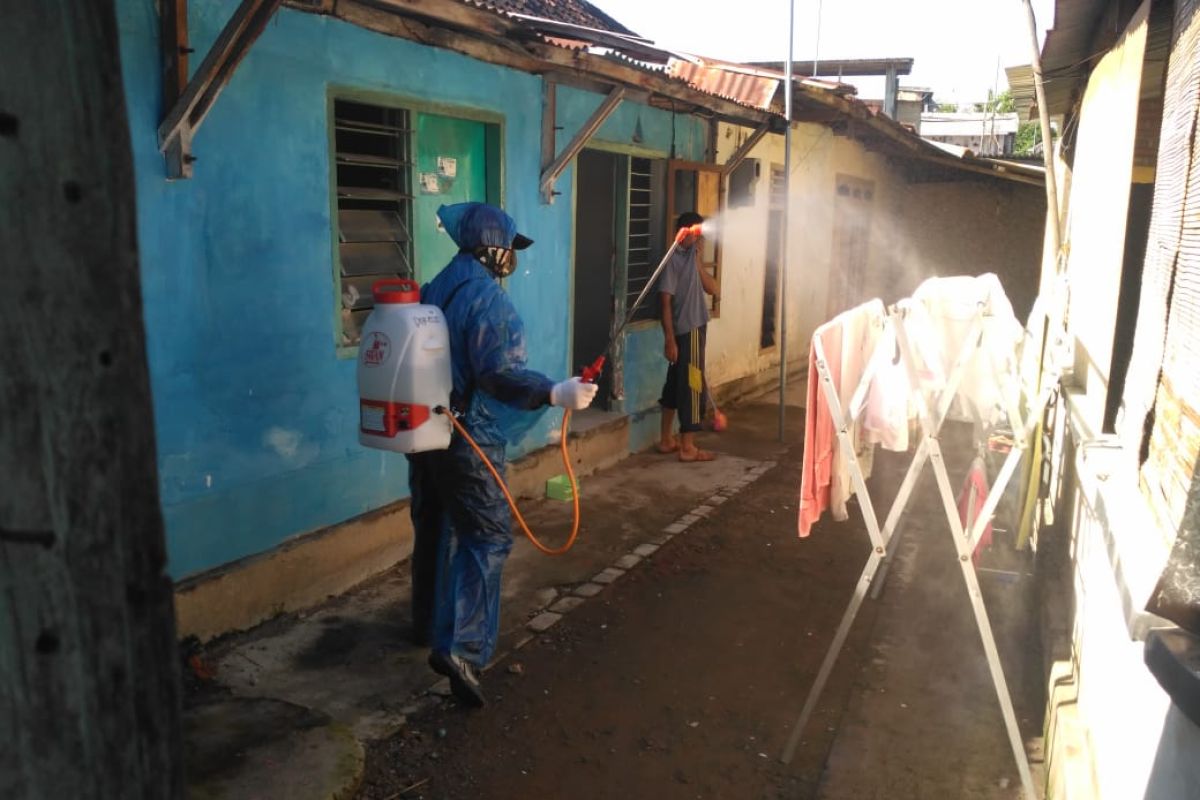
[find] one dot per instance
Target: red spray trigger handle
(591, 374)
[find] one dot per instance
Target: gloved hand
(573, 394)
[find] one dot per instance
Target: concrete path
(349, 660)
(238, 749)
(668, 654)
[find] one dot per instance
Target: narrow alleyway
(684, 677)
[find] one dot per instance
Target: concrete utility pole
(89, 686)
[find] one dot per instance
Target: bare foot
(667, 447)
(688, 456)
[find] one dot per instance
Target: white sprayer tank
(403, 372)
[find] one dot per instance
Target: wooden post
(173, 44)
(89, 688)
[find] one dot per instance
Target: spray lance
(591, 373)
(400, 399)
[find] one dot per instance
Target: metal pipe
(591, 373)
(787, 201)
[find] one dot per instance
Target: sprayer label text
(426, 319)
(375, 349)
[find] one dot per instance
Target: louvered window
(373, 153)
(647, 223)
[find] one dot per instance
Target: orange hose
(513, 503)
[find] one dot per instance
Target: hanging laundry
(848, 341)
(888, 414)
(938, 322)
(862, 327)
(971, 498)
(819, 435)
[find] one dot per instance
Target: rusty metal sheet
(748, 87)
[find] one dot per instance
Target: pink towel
(816, 474)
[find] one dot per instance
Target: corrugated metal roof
(968, 124)
(1020, 84)
(746, 86)
(576, 12)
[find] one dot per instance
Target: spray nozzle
(690, 230)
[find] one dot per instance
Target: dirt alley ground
(685, 677)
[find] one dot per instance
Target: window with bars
(373, 155)
(647, 228)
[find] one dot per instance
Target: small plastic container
(559, 488)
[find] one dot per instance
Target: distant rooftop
(844, 67)
(968, 123)
(574, 12)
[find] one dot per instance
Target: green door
(452, 167)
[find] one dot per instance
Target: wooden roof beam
(180, 123)
(585, 133)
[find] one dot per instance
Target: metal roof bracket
(586, 132)
(192, 106)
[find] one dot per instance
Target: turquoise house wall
(255, 411)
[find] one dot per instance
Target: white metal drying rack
(929, 449)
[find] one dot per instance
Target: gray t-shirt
(681, 279)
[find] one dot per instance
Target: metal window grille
(647, 223)
(373, 153)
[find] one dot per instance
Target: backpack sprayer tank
(403, 372)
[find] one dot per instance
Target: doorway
(775, 223)
(597, 178)
(457, 160)
(851, 236)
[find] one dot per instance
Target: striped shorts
(685, 390)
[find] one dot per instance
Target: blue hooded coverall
(461, 520)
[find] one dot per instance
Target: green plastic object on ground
(559, 488)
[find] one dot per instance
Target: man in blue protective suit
(461, 519)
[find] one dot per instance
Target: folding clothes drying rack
(883, 541)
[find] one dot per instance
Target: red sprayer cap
(396, 290)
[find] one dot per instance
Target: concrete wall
(1111, 730)
(965, 227)
(255, 408)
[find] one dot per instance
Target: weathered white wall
(1114, 733)
(818, 156)
(917, 230)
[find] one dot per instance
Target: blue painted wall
(255, 411)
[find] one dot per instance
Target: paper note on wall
(430, 184)
(447, 166)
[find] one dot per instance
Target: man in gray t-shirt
(682, 287)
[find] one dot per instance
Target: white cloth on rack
(888, 413)
(939, 318)
(861, 328)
